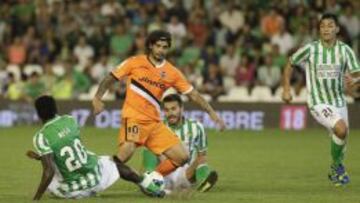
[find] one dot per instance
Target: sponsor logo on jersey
(153, 83)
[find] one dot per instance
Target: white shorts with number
(109, 175)
(177, 180)
(328, 115)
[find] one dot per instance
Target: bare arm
(197, 98)
(286, 95)
(33, 155)
(105, 84)
(47, 175)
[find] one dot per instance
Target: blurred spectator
(245, 72)
(177, 9)
(139, 43)
(157, 24)
(14, 89)
(190, 74)
(278, 59)
(63, 88)
(37, 35)
(213, 83)
(81, 79)
(209, 55)
(121, 42)
(112, 8)
(190, 55)
(17, 52)
(232, 18)
(269, 74)
(177, 30)
(271, 23)
(34, 87)
(299, 19)
(48, 78)
(197, 27)
(100, 69)
(83, 51)
(229, 61)
(284, 40)
(302, 37)
(351, 22)
(332, 6)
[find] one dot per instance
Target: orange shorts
(154, 135)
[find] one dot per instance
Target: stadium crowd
(66, 47)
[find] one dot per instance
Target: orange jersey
(146, 84)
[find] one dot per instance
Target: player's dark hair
(329, 16)
(46, 107)
(157, 35)
(172, 98)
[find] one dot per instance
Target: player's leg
(109, 173)
(150, 160)
(125, 151)
(163, 141)
(176, 156)
(338, 174)
(200, 172)
(335, 120)
(131, 135)
(177, 180)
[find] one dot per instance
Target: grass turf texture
(268, 166)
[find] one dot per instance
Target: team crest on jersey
(162, 74)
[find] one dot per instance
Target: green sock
(150, 161)
(202, 172)
(337, 150)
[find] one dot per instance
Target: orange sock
(166, 167)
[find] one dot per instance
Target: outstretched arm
(105, 84)
(47, 175)
(197, 98)
(286, 95)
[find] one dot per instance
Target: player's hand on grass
(32, 155)
(98, 105)
(286, 96)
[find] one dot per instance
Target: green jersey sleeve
(41, 144)
(201, 140)
(301, 55)
(351, 61)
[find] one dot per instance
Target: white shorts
(177, 180)
(328, 115)
(109, 175)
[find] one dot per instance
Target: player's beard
(174, 119)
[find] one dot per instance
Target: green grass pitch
(265, 166)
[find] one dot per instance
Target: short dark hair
(157, 35)
(172, 98)
(45, 107)
(329, 16)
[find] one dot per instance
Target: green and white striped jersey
(77, 167)
(192, 135)
(325, 69)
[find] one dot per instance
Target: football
(155, 178)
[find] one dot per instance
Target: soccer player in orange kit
(148, 77)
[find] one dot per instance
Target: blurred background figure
(90, 37)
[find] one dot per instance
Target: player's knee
(341, 129)
(183, 159)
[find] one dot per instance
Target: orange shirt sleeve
(124, 69)
(181, 84)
